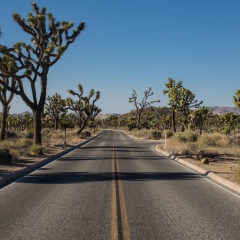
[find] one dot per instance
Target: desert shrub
(191, 136)
(24, 142)
(45, 131)
(156, 135)
(178, 138)
(37, 149)
(214, 140)
(8, 144)
(237, 173)
(16, 153)
(193, 146)
(29, 135)
(88, 134)
(10, 134)
(169, 133)
(84, 134)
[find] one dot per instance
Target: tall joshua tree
(83, 108)
(141, 116)
(56, 108)
(49, 40)
(6, 97)
(173, 95)
(180, 99)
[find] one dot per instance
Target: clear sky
(137, 44)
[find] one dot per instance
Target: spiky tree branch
(83, 108)
(49, 40)
(142, 117)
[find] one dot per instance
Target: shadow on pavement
(83, 177)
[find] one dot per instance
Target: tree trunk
(37, 126)
(173, 120)
(4, 122)
(56, 123)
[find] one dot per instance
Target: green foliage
(156, 135)
(49, 40)
(84, 107)
(236, 99)
(11, 134)
(184, 137)
(55, 108)
(29, 135)
(169, 133)
(181, 100)
(37, 149)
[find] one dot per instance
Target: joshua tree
(142, 116)
(6, 97)
(173, 95)
(199, 117)
(236, 99)
(83, 108)
(180, 99)
(55, 108)
(49, 40)
(185, 102)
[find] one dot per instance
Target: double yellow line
(120, 226)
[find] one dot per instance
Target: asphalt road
(115, 187)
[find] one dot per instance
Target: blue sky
(137, 44)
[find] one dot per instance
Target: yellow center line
(114, 233)
(123, 209)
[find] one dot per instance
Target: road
(116, 187)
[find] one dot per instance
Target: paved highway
(115, 187)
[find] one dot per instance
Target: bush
(29, 135)
(10, 134)
(24, 142)
(37, 149)
(214, 140)
(193, 146)
(237, 173)
(84, 134)
(88, 134)
(156, 135)
(169, 133)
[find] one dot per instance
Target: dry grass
(213, 145)
(20, 146)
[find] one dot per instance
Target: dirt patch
(223, 167)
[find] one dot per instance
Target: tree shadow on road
(84, 177)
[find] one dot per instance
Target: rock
(196, 157)
(205, 161)
(5, 156)
(182, 152)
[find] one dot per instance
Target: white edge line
(19, 179)
(205, 178)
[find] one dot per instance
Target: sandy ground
(223, 167)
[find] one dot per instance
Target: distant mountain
(21, 114)
(216, 110)
(223, 110)
(102, 115)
